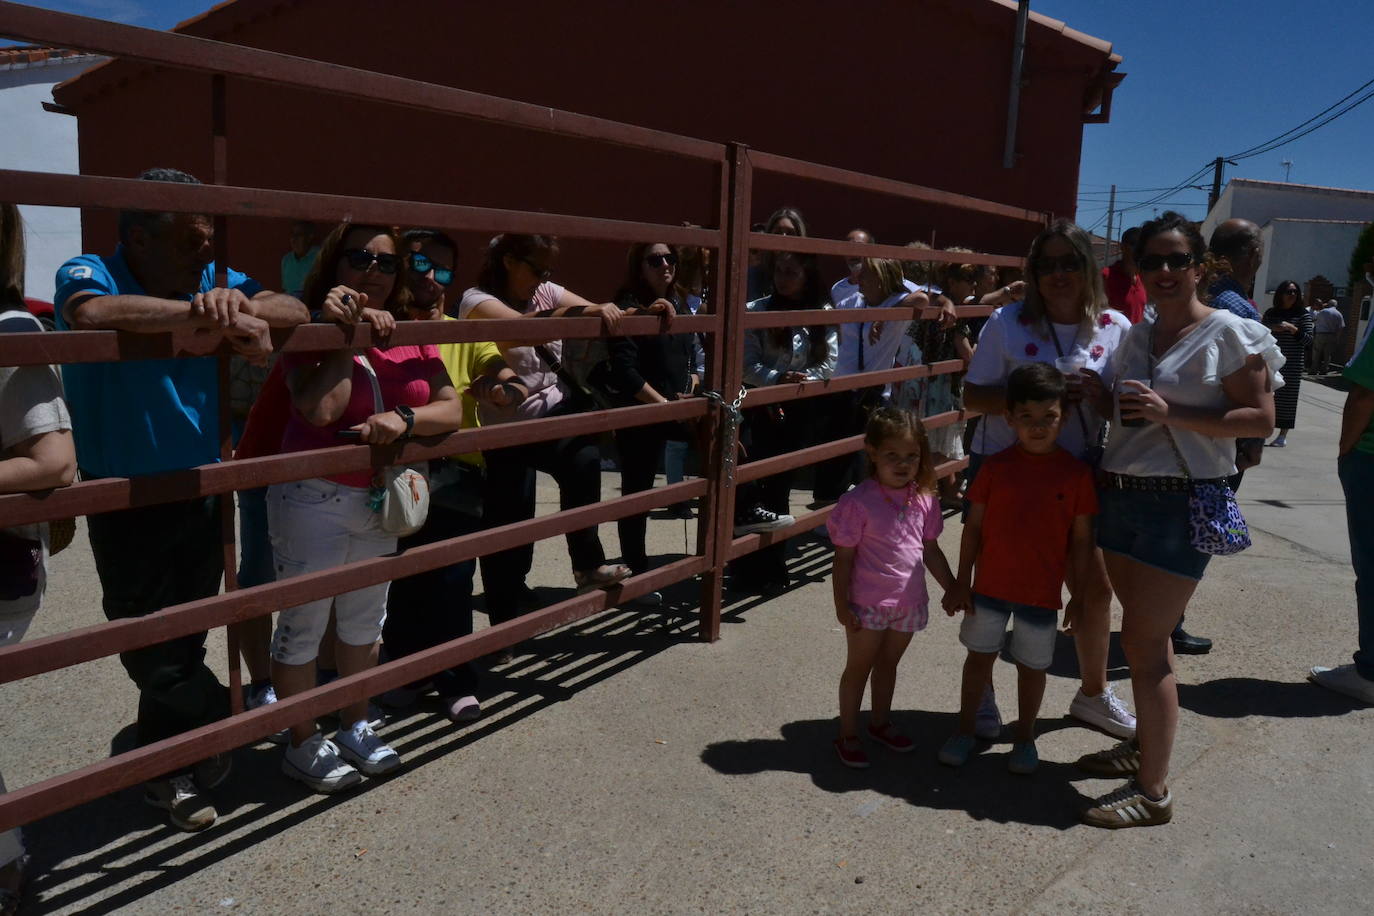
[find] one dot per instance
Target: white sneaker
(361, 747)
(1103, 711)
(757, 519)
(265, 695)
(987, 723)
(316, 763)
(1344, 679)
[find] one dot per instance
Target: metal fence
(725, 329)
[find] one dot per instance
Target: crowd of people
(1106, 397)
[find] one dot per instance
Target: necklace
(906, 504)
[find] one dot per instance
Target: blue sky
(1207, 78)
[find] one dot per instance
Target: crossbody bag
(400, 492)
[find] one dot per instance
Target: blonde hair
(888, 423)
(889, 273)
(1094, 294)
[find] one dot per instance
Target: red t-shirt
(1125, 294)
(1031, 502)
(404, 375)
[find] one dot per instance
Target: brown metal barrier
(725, 329)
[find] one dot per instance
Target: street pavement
(621, 766)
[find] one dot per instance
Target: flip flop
(601, 577)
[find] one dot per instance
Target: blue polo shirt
(142, 416)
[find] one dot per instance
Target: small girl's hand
(958, 599)
(847, 618)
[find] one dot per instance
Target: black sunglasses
(423, 264)
(658, 260)
(1176, 261)
(361, 259)
(1064, 264)
(543, 273)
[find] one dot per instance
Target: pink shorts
(901, 619)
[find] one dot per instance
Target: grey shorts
(1032, 633)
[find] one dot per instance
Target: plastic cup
(1123, 388)
(1072, 364)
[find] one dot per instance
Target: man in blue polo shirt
(145, 417)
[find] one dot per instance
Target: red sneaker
(892, 739)
(856, 757)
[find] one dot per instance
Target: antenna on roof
(1287, 167)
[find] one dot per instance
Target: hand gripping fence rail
(724, 330)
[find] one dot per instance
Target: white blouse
(1188, 374)
(1011, 339)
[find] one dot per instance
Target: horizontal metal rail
(39, 347)
(27, 659)
(783, 393)
(799, 317)
(23, 806)
(860, 181)
(204, 55)
(764, 241)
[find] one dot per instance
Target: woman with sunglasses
(1196, 378)
(514, 283)
(1292, 326)
(329, 521)
(648, 370)
(1064, 314)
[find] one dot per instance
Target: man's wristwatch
(407, 414)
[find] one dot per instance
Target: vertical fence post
(725, 374)
(220, 176)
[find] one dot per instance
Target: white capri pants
(315, 525)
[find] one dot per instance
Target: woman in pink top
(884, 532)
(514, 283)
(328, 521)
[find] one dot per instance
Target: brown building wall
(909, 90)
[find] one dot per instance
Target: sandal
(601, 577)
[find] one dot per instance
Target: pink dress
(888, 586)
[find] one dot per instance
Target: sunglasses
(658, 260)
(541, 272)
(1176, 261)
(360, 259)
(1064, 264)
(423, 264)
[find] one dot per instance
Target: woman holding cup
(1064, 316)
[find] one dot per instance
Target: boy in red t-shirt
(1031, 514)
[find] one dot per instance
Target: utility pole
(1107, 248)
(1018, 59)
(1216, 183)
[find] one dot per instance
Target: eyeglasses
(658, 260)
(423, 264)
(541, 272)
(1176, 261)
(1064, 264)
(361, 259)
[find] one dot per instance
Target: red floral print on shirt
(1032, 349)
(1097, 351)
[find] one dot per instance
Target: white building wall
(1260, 202)
(1299, 251)
(41, 141)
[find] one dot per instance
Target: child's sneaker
(1119, 760)
(852, 756)
(987, 722)
(1023, 758)
(892, 739)
(1103, 711)
(186, 806)
(1129, 806)
(361, 747)
(316, 763)
(957, 750)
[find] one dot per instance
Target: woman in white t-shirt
(514, 283)
(1064, 313)
(1194, 379)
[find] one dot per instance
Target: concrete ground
(621, 766)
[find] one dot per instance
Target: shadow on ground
(1238, 697)
(982, 787)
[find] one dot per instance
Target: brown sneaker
(1113, 763)
(1129, 807)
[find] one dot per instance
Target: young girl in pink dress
(884, 532)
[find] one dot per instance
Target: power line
(1083, 194)
(1276, 142)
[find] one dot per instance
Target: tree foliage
(1362, 255)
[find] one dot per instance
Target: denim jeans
(149, 558)
(1356, 471)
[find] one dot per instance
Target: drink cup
(1072, 364)
(1124, 389)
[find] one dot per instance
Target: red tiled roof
(28, 56)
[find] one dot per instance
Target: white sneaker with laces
(316, 763)
(265, 695)
(361, 747)
(987, 723)
(1104, 712)
(1344, 679)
